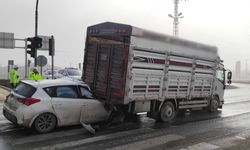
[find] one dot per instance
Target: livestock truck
(138, 70)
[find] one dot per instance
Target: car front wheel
(45, 122)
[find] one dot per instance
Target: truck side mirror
(229, 77)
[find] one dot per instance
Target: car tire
(45, 122)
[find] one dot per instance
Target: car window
(66, 92)
(25, 90)
(85, 93)
(61, 71)
(50, 91)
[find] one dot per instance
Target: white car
(47, 104)
(48, 74)
(69, 72)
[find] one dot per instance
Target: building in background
(237, 70)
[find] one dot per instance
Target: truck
(137, 70)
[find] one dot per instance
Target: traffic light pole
(52, 63)
(36, 27)
(26, 61)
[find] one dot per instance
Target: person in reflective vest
(35, 75)
(14, 77)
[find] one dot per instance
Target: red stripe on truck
(178, 63)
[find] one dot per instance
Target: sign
(41, 60)
(45, 42)
(7, 40)
(10, 64)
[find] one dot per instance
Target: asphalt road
(227, 129)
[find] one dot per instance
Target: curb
(5, 88)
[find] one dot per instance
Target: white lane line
(4, 122)
(239, 137)
(245, 134)
(227, 142)
(149, 143)
(201, 146)
(52, 135)
(67, 145)
(238, 101)
(9, 130)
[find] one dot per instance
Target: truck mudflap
(116, 115)
(88, 127)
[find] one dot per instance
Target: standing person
(14, 77)
(35, 75)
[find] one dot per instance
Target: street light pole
(36, 27)
(176, 18)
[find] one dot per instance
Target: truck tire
(214, 104)
(167, 112)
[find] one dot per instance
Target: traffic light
(35, 43)
(38, 42)
(32, 48)
(52, 46)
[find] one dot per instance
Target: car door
(67, 104)
(93, 110)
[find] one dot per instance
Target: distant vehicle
(73, 73)
(48, 74)
(47, 104)
(143, 71)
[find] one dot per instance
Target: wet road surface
(197, 130)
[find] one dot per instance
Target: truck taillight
(30, 101)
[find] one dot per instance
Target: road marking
(9, 130)
(67, 145)
(201, 146)
(149, 143)
(52, 135)
(4, 122)
(245, 134)
(239, 137)
(227, 142)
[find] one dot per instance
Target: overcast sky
(224, 23)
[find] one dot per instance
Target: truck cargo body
(140, 69)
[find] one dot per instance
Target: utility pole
(176, 17)
(36, 27)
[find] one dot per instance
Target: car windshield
(74, 72)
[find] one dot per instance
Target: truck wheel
(167, 112)
(214, 104)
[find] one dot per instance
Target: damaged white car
(48, 104)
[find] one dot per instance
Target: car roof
(55, 82)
